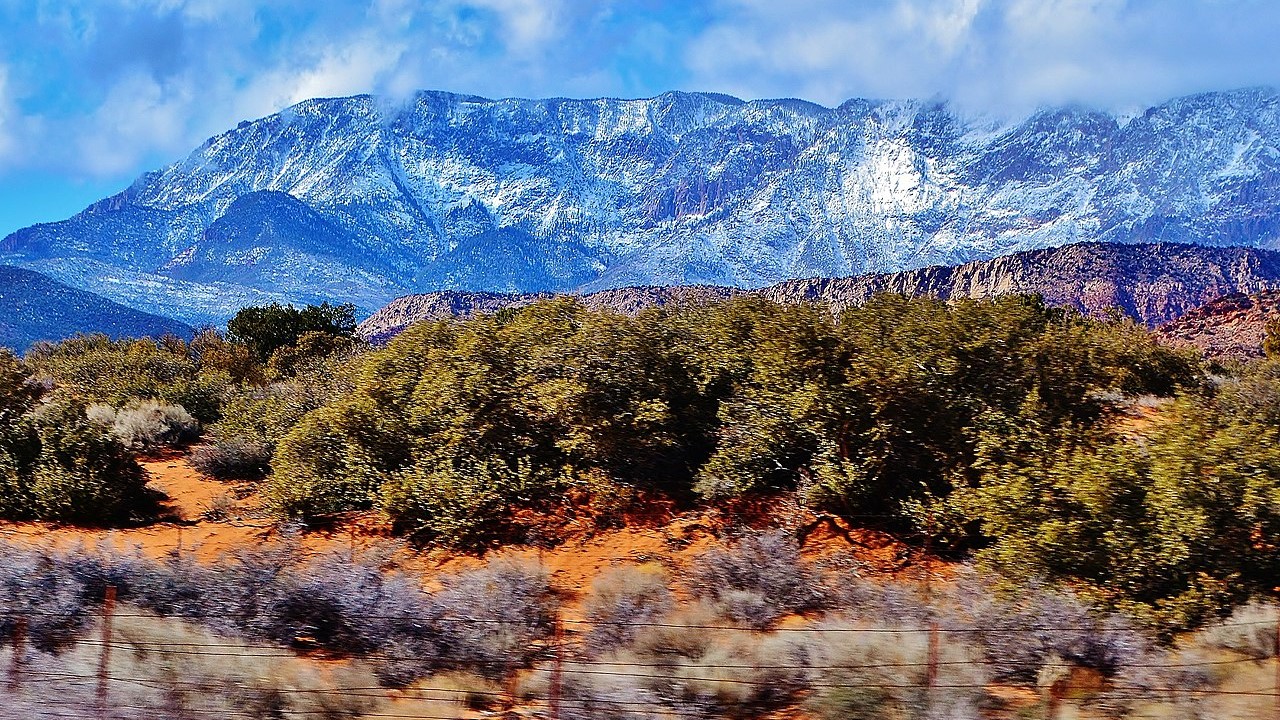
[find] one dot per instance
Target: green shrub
(1171, 528)
(254, 419)
(307, 349)
(878, 413)
(95, 369)
(333, 461)
(268, 328)
(83, 473)
(454, 506)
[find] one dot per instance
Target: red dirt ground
(658, 536)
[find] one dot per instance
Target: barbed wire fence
(557, 660)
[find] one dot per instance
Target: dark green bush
(872, 414)
(334, 460)
(1175, 528)
(455, 506)
(82, 472)
(255, 418)
(267, 329)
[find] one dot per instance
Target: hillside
(405, 311)
(1231, 327)
(363, 200)
(34, 307)
(1152, 283)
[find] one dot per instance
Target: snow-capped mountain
(358, 200)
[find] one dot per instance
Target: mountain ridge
(516, 195)
(1153, 283)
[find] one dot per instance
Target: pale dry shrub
(147, 424)
(690, 671)
(220, 508)
(100, 414)
(1019, 629)
(758, 579)
(489, 621)
(448, 695)
(234, 459)
(861, 673)
(169, 668)
(621, 601)
(1249, 631)
(36, 593)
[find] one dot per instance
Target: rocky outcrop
(1229, 328)
(1152, 283)
(403, 312)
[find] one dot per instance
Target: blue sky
(94, 92)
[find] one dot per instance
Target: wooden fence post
(19, 649)
(557, 673)
(104, 660)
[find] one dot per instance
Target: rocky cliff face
(402, 312)
(354, 199)
(1152, 283)
(1229, 328)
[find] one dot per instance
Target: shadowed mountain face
(34, 307)
(1151, 283)
(355, 200)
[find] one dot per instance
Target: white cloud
(115, 86)
(355, 67)
(139, 115)
(527, 25)
(1006, 55)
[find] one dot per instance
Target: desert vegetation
(1107, 508)
(190, 638)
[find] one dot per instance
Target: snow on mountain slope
(354, 199)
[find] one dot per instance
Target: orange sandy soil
(189, 495)
(660, 535)
(1141, 419)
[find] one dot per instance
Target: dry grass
(169, 668)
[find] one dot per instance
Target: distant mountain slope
(1229, 328)
(1153, 283)
(402, 312)
(34, 307)
(362, 200)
